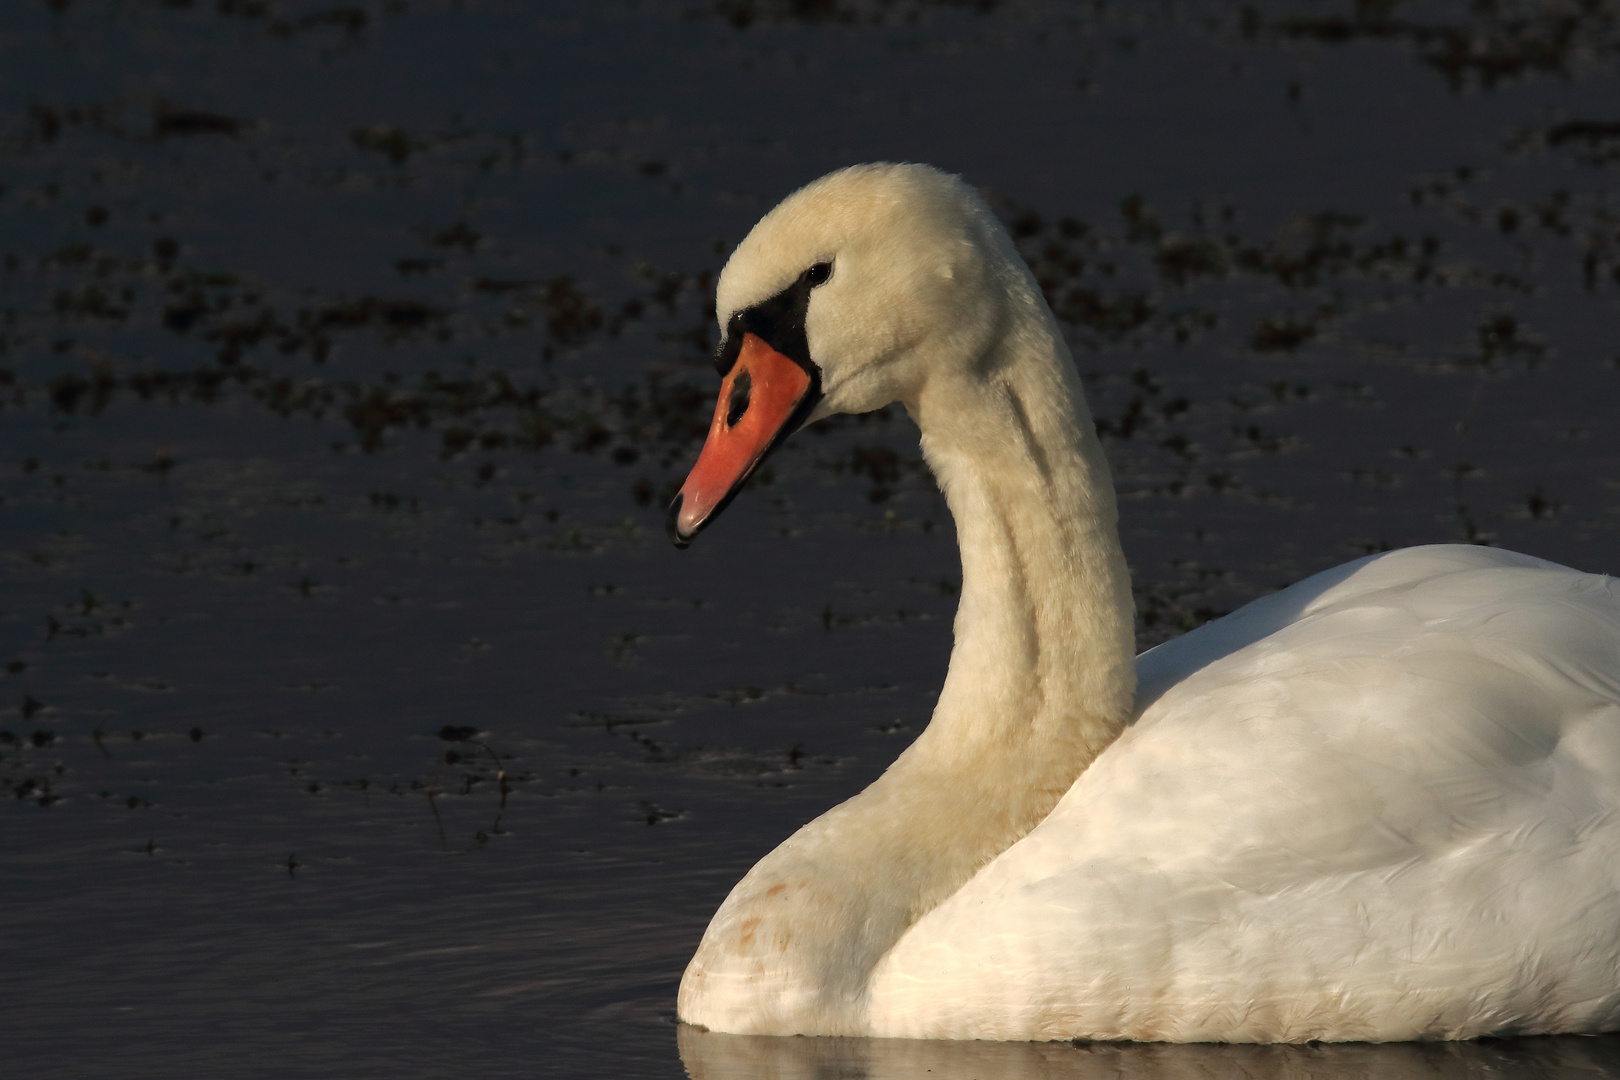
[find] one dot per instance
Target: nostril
(740, 391)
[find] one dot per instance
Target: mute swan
(1378, 805)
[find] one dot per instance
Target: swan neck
(1040, 681)
(1041, 678)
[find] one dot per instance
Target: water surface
(363, 720)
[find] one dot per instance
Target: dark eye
(818, 274)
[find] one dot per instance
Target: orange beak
(760, 399)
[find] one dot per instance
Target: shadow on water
(711, 1056)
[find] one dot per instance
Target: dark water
(362, 720)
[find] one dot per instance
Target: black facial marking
(779, 321)
(731, 345)
(738, 405)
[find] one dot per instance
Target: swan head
(852, 293)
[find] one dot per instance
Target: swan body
(1390, 815)
(1381, 804)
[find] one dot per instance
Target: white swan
(1381, 804)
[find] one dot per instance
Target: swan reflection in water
(710, 1055)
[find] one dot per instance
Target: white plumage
(1380, 804)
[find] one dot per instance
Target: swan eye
(818, 274)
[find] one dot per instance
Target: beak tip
(672, 523)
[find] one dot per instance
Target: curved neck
(1042, 677)
(1041, 680)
